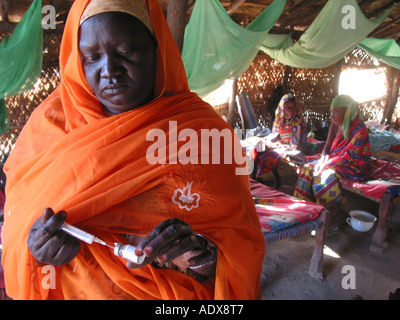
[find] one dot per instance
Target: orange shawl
(71, 157)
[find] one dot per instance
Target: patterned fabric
(298, 124)
(349, 159)
(387, 173)
(286, 133)
(267, 160)
(136, 8)
(278, 211)
(295, 230)
(324, 189)
(352, 110)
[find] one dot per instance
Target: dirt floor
(286, 263)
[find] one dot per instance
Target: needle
(102, 242)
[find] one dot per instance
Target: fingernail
(161, 259)
(148, 251)
(190, 263)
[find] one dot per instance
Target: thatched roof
(298, 14)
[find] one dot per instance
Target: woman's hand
(320, 165)
(174, 239)
(50, 245)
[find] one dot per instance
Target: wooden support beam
(4, 9)
(385, 27)
(176, 18)
(288, 71)
(7, 27)
(244, 3)
(377, 13)
(236, 4)
(337, 77)
(232, 107)
(393, 79)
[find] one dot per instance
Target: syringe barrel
(127, 252)
(78, 233)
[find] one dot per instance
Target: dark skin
(118, 56)
(119, 62)
(48, 244)
(337, 115)
(290, 109)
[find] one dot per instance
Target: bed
(383, 187)
(282, 216)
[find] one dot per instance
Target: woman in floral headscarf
(348, 157)
(290, 124)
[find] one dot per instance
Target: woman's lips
(114, 89)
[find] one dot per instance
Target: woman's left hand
(175, 238)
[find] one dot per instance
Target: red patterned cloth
(277, 210)
(378, 169)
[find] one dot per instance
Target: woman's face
(337, 115)
(290, 109)
(119, 60)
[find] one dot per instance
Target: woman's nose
(111, 67)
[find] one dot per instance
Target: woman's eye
(92, 57)
(125, 52)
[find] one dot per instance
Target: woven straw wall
(313, 88)
(20, 107)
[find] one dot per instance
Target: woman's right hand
(50, 245)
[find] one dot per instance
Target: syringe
(125, 251)
(82, 235)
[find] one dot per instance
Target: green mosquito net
(216, 48)
(385, 50)
(335, 32)
(21, 58)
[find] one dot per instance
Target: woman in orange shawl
(80, 155)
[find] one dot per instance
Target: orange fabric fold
(71, 157)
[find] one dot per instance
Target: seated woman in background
(82, 158)
(290, 126)
(348, 156)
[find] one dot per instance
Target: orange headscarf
(71, 157)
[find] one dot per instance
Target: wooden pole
(232, 108)
(393, 79)
(236, 4)
(337, 78)
(4, 8)
(176, 18)
(285, 84)
(288, 71)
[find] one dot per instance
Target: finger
(59, 249)
(178, 247)
(47, 214)
(52, 225)
(203, 258)
(40, 233)
(68, 250)
(166, 238)
(144, 247)
(153, 234)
